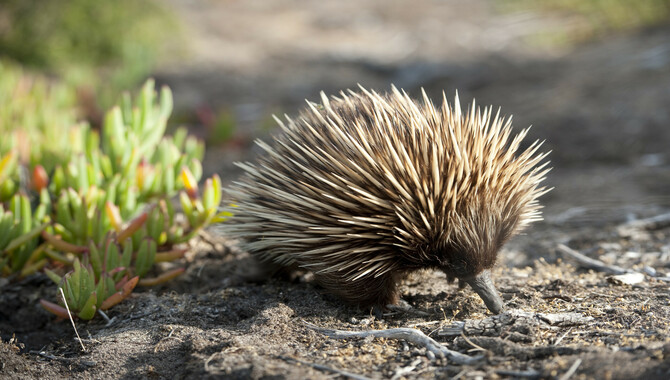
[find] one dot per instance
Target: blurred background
(592, 77)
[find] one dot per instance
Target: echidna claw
(461, 284)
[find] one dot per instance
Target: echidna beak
(483, 285)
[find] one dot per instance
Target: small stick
(105, 317)
(406, 370)
(325, 368)
(52, 357)
(210, 358)
(561, 337)
(531, 373)
(572, 370)
(71, 320)
(87, 363)
(476, 347)
(460, 374)
(411, 335)
(654, 223)
(591, 263)
(200, 271)
(423, 324)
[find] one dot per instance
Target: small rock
(650, 271)
(632, 255)
(626, 279)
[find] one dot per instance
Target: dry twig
(411, 335)
(572, 370)
(71, 320)
(530, 374)
(649, 224)
(52, 357)
(209, 359)
(590, 263)
(400, 372)
(494, 325)
(476, 347)
(69, 361)
(560, 338)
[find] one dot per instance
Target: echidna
(364, 188)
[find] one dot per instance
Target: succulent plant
(102, 208)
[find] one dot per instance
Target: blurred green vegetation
(598, 17)
(37, 112)
(102, 46)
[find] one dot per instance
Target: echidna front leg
(367, 291)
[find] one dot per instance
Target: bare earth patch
(603, 109)
(557, 315)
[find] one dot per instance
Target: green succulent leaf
(95, 258)
(53, 276)
(88, 309)
(25, 238)
(127, 256)
(146, 255)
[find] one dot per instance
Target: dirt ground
(603, 108)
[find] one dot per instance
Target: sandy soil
(603, 109)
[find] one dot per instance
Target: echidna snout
(483, 285)
(364, 188)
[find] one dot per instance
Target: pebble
(627, 279)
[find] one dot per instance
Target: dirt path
(603, 109)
